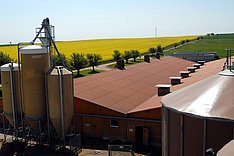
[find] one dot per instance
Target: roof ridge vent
(120, 64)
(201, 62)
(184, 74)
(176, 80)
(163, 89)
(147, 58)
(191, 69)
(197, 65)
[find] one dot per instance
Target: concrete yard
(89, 152)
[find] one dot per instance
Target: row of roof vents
(121, 65)
(164, 89)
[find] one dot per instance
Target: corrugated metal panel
(219, 133)
(174, 134)
(193, 136)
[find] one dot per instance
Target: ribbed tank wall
(7, 90)
(35, 63)
(189, 135)
(54, 99)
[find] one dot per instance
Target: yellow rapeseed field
(105, 47)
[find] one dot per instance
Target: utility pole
(155, 29)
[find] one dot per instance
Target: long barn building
(124, 104)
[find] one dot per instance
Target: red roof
(133, 90)
(209, 69)
(130, 90)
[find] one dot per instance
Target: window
(87, 124)
(114, 123)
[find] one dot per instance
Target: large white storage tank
(10, 90)
(34, 65)
(60, 99)
(199, 117)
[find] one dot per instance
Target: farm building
(199, 117)
(124, 104)
(196, 56)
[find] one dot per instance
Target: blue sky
(92, 19)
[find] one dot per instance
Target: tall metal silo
(34, 65)
(60, 99)
(32, 113)
(10, 92)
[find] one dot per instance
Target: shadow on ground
(88, 143)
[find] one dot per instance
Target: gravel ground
(91, 152)
(98, 147)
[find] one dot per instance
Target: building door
(139, 135)
(145, 136)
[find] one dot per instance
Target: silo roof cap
(64, 70)
(7, 67)
(33, 49)
(227, 73)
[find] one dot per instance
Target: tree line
(154, 51)
(128, 54)
(77, 60)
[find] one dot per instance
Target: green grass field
(130, 62)
(209, 44)
(105, 47)
(86, 72)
